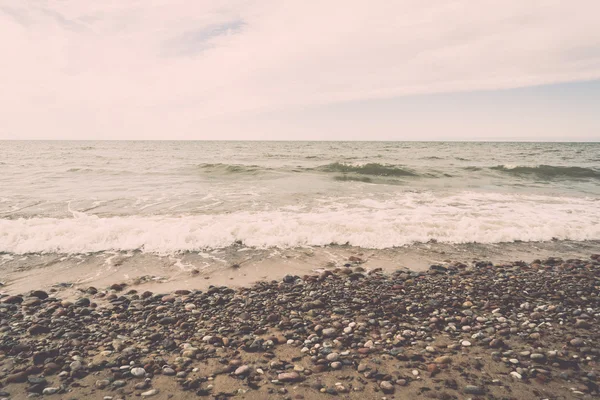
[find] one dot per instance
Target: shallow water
(167, 197)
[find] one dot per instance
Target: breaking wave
(410, 218)
(230, 168)
(550, 171)
(373, 169)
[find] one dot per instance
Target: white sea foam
(405, 219)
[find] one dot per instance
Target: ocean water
(173, 197)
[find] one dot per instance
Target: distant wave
(349, 178)
(373, 169)
(550, 171)
(230, 168)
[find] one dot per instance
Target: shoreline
(239, 266)
(510, 330)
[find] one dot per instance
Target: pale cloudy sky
(277, 69)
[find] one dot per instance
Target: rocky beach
(480, 330)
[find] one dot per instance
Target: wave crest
(372, 223)
(374, 169)
(550, 171)
(230, 168)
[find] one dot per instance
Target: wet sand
(239, 266)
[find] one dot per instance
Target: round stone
(138, 372)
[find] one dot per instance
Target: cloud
(110, 68)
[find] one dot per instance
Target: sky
(300, 70)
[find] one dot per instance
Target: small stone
(76, 365)
(18, 377)
(516, 375)
(329, 332)
(336, 365)
(150, 392)
(332, 357)
(138, 372)
(38, 329)
(101, 384)
(387, 387)
(577, 342)
(465, 343)
(289, 377)
(583, 324)
(443, 360)
(83, 302)
(168, 371)
(243, 370)
(50, 390)
(471, 389)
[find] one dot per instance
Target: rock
(83, 302)
(12, 300)
(470, 389)
(168, 371)
(76, 365)
(289, 279)
(433, 369)
(151, 392)
(332, 356)
(516, 375)
(31, 302)
(138, 372)
(289, 377)
(38, 330)
(101, 384)
(583, 324)
(167, 321)
(336, 365)
(537, 356)
(18, 377)
(329, 332)
(387, 387)
(577, 342)
(443, 360)
(243, 370)
(50, 390)
(37, 380)
(40, 294)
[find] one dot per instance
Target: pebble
(243, 370)
(138, 372)
(151, 392)
(516, 375)
(471, 389)
(50, 390)
(289, 377)
(387, 387)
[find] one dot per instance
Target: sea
(175, 197)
